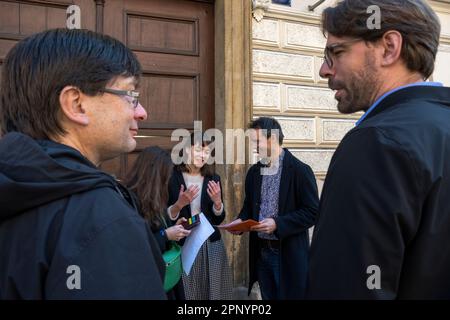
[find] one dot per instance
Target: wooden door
(174, 41)
(19, 19)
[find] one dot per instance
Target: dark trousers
(268, 271)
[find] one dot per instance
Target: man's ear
(71, 106)
(391, 43)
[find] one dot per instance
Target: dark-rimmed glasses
(330, 50)
(134, 95)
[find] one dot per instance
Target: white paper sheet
(194, 242)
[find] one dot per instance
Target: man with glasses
(67, 229)
(384, 219)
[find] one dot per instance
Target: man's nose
(139, 113)
(325, 71)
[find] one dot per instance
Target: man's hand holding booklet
(238, 226)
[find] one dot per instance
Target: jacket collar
(286, 176)
(425, 93)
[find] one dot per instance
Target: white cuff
(218, 212)
(170, 216)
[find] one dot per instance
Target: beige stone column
(233, 107)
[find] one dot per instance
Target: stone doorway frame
(233, 101)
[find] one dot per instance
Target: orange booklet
(243, 226)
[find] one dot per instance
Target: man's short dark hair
(414, 19)
(37, 69)
(268, 124)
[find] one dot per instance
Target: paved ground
(240, 293)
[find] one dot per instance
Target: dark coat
(385, 203)
(298, 205)
(206, 203)
(58, 210)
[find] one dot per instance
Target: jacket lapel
(204, 195)
(180, 181)
(286, 176)
(257, 192)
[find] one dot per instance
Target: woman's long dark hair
(149, 179)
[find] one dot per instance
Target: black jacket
(298, 204)
(206, 203)
(385, 203)
(58, 210)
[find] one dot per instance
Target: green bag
(172, 258)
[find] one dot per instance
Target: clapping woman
(194, 189)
